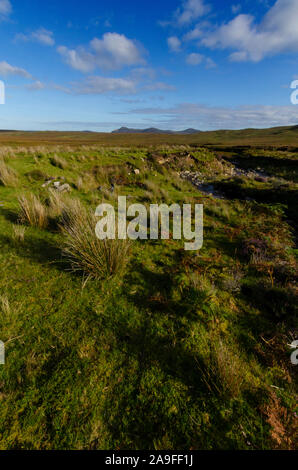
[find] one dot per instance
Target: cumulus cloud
(252, 41)
(197, 59)
(194, 59)
(208, 117)
(190, 11)
(112, 52)
(42, 35)
(174, 44)
(7, 69)
(5, 8)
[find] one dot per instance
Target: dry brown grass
(32, 211)
(18, 233)
(86, 183)
(97, 259)
(59, 162)
(8, 177)
(224, 372)
(283, 424)
(5, 305)
(57, 203)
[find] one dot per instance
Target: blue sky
(100, 64)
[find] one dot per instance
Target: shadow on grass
(37, 249)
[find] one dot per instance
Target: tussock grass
(86, 183)
(8, 177)
(5, 305)
(155, 192)
(97, 259)
(32, 211)
(59, 162)
(18, 233)
(56, 203)
(224, 371)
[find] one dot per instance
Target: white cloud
(78, 59)
(100, 85)
(174, 44)
(195, 33)
(194, 59)
(190, 11)
(210, 64)
(5, 8)
(7, 69)
(130, 85)
(112, 52)
(42, 35)
(207, 117)
(251, 41)
(145, 73)
(35, 86)
(197, 59)
(161, 86)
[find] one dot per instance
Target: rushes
(32, 211)
(8, 176)
(96, 258)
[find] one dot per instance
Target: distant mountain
(153, 130)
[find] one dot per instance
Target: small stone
(64, 188)
(46, 183)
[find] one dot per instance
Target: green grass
(180, 350)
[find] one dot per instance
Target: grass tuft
(59, 162)
(8, 176)
(18, 233)
(32, 211)
(97, 259)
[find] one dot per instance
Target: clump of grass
(32, 211)
(57, 203)
(224, 371)
(5, 305)
(8, 176)
(59, 162)
(97, 259)
(155, 192)
(18, 233)
(86, 183)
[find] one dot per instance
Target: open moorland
(143, 345)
